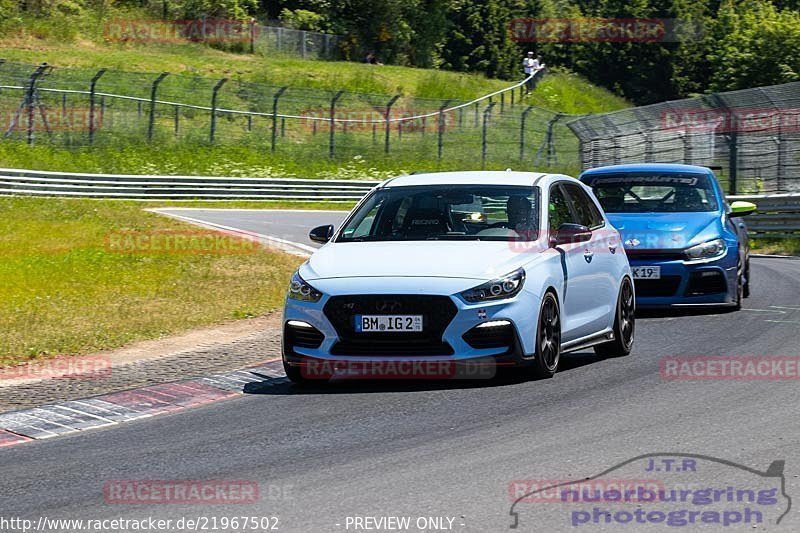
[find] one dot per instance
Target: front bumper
(451, 334)
(686, 283)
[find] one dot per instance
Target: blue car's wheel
(746, 288)
(624, 324)
(548, 339)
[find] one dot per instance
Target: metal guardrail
(778, 215)
(136, 187)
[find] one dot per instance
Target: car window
(424, 212)
(365, 226)
(558, 208)
(654, 192)
(585, 210)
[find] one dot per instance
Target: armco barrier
(778, 214)
(135, 187)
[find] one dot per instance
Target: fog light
(299, 324)
(494, 324)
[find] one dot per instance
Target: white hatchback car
(435, 271)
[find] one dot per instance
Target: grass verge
(66, 291)
(775, 246)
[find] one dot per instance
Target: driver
(520, 216)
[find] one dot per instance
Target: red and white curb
(120, 407)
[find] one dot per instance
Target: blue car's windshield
(649, 192)
(431, 212)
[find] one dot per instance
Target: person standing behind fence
(531, 65)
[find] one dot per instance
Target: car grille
(666, 286)
(654, 255)
(436, 311)
(706, 282)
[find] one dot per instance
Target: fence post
(523, 119)
(151, 120)
(214, 92)
(177, 119)
(275, 98)
(252, 35)
(548, 146)
(502, 102)
(27, 104)
(733, 143)
(648, 147)
(388, 128)
(486, 113)
(92, 87)
(303, 45)
(327, 46)
(441, 126)
(333, 123)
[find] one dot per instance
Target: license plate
(388, 323)
(646, 272)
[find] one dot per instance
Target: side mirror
(742, 209)
(570, 233)
(321, 234)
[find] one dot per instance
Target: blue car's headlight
(499, 289)
(300, 290)
(706, 250)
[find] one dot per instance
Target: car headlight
(499, 289)
(300, 290)
(706, 250)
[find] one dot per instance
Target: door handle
(588, 255)
(612, 248)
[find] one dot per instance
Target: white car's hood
(480, 260)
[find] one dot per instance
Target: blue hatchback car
(685, 243)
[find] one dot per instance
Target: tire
(548, 339)
(294, 374)
(746, 288)
(624, 324)
(737, 303)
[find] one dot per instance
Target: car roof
(647, 167)
(476, 177)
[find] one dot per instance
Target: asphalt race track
(321, 455)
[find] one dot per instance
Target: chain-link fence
(270, 40)
(75, 107)
(751, 137)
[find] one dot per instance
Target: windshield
(654, 193)
(431, 212)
